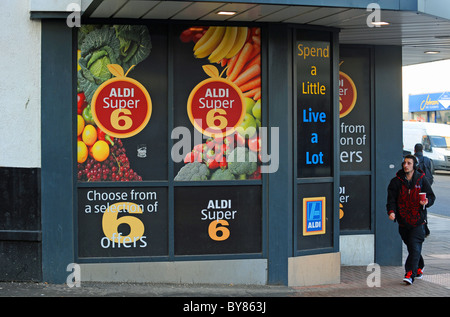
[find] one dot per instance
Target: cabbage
(135, 44)
(125, 45)
(100, 48)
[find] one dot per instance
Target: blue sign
(429, 102)
(314, 215)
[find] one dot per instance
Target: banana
(210, 45)
(225, 45)
(205, 37)
(241, 37)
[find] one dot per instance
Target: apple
(248, 126)
(249, 104)
(256, 110)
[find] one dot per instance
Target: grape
(116, 167)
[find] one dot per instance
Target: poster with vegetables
(218, 95)
(121, 133)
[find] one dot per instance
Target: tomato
(254, 144)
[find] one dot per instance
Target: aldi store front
(199, 149)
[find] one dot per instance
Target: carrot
(251, 93)
(251, 84)
(255, 51)
(232, 62)
(241, 61)
(257, 95)
(256, 39)
(253, 71)
(254, 61)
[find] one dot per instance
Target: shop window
(168, 140)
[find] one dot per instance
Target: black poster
(355, 112)
(314, 105)
(355, 137)
(354, 202)
(218, 220)
(121, 222)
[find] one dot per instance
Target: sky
(425, 78)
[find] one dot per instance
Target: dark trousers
(413, 238)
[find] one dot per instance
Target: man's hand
(392, 216)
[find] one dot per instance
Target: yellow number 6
(211, 119)
(111, 222)
(213, 229)
(120, 120)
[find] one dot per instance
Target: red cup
(422, 196)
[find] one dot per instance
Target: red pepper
(100, 134)
(81, 102)
(105, 137)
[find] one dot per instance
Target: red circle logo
(347, 94)
(121, 107)
(216, 107)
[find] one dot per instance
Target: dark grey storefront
(331, 178)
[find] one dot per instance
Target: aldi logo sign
(313, 216)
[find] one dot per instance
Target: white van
(435, 138)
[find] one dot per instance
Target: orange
(80, 125)
(100, 150)
(89, 135)
(82, 152)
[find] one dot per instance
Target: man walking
(405, 207)
(424, 162)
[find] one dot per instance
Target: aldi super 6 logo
(314, 215)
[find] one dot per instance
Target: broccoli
(242, 162)
(222, 175)
(193, 172)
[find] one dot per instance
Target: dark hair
(412, 157)
(418, 147)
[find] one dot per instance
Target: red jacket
(403, 198)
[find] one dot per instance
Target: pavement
(356, 281)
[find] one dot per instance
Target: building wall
(20, 100)
(20, 143)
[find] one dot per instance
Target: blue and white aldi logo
(313, 216)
